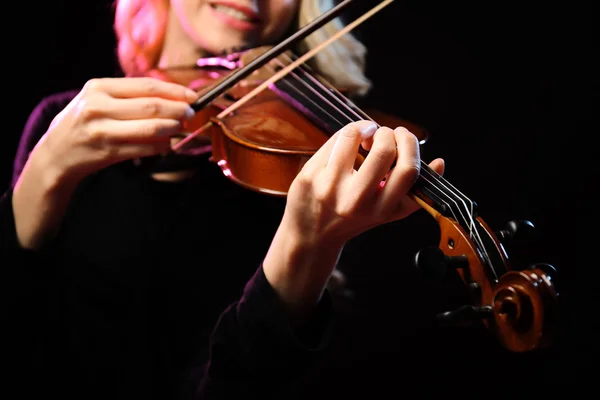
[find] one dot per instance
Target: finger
(136, 131)
(320, 159)
(343, 154)
(377, 164)
(438, 165)
(146, 108)
(141, 87)
(407, 205)
(404, 174)
(367, 144)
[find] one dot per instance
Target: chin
(225, 46)
(216, 40)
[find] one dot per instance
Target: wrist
(54, 175)
(40, 198)
(298, 268)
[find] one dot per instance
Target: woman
(127, 284)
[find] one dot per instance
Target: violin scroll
(519, 307)
(525, 308)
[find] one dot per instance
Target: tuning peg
(465, 313)
(434, 264)
(549, 270)
(520, 227)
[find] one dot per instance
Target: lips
(244, 13)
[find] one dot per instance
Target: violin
(262, 113)
(265, 143)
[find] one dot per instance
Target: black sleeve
(9, 246)
(255, 350)
(23, 271)
(15, 260)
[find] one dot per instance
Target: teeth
(232, 12)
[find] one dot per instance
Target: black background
(503, 88)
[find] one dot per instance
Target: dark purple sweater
(151, 290)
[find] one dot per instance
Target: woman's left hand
(330, 202)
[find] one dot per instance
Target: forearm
(298, 268)
(40, 199)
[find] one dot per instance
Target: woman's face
(221, 25)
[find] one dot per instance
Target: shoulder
(54, 103)
(37, 124)
(44, 112)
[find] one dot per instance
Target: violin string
(309, 98)
(306, 72)
(434, 180)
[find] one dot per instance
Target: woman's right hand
(110, 120)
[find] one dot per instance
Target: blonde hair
(140, 28)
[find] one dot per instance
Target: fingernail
(189, 113)
(367, 128)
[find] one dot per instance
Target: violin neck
(441, 195)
